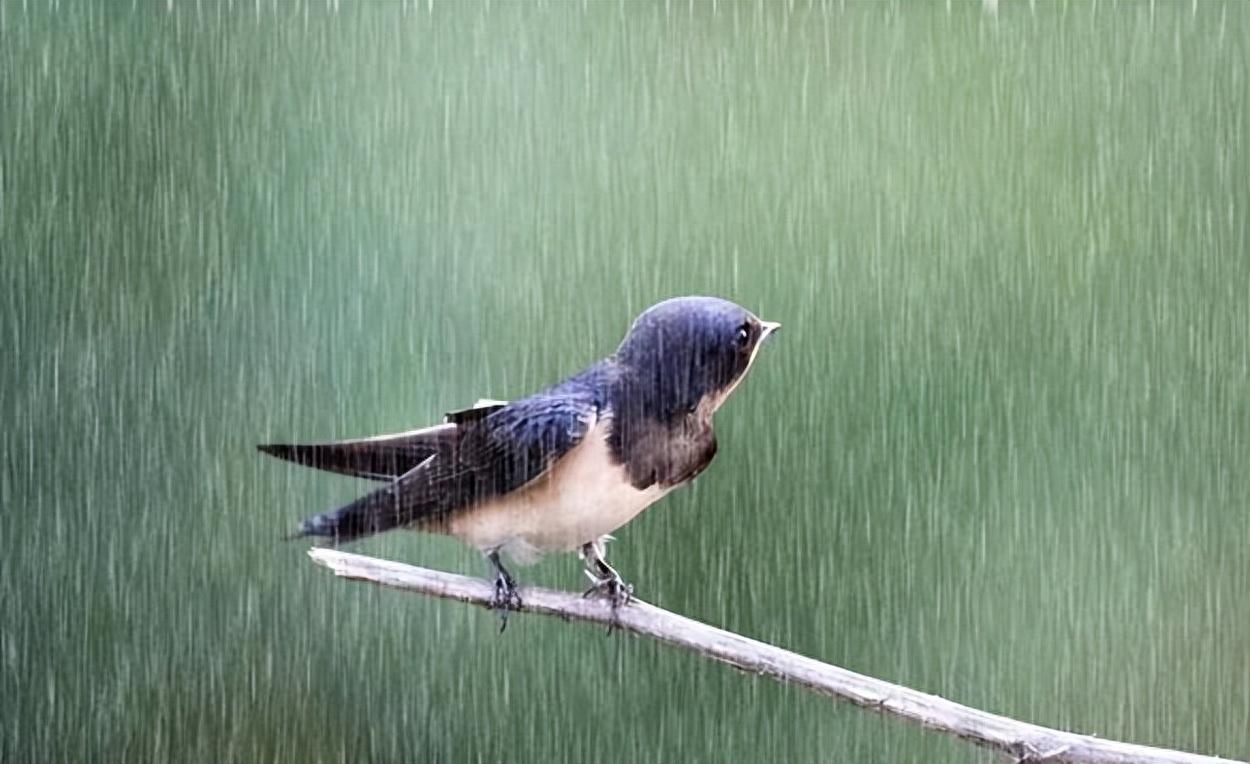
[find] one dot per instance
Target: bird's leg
(604, 578)
(506, 596)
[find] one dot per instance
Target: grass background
(999, 453)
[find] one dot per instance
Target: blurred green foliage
(999, 453)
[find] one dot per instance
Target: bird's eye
(743, 337)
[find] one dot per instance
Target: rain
(998, 453)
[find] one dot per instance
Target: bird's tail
(372, 513)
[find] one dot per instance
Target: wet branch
(1021, 741)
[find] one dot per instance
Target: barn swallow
(563, 468)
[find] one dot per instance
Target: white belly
(583, 497)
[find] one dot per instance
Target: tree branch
(1021, 741)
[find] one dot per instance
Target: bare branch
(1021, 741)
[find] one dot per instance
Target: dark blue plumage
(491, 457)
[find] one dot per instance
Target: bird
(564, 468)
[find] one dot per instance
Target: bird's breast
(585, 495)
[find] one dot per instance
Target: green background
(998, 454)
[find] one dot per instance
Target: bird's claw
(613, 588)
(505, 600)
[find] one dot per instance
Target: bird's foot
(611, 587)
(506, 599)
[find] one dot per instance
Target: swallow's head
(691, 352)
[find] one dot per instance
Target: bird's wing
(498, 454)
(384, 457)
(478, 411)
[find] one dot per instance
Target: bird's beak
(770, 328)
